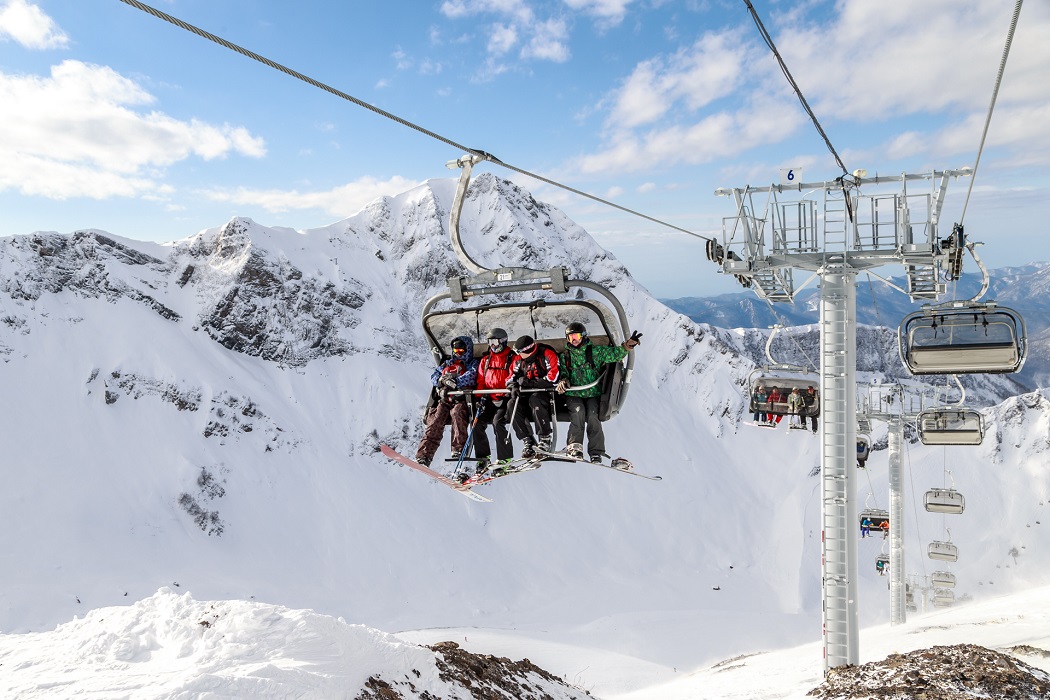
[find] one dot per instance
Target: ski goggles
(574, 336)
(458, 351)
(497, 343)
(527, 350)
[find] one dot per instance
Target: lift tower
(834, 230)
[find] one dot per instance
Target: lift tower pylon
(834, 231)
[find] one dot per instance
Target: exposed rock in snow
(938, 673)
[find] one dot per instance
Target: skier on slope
(458, 372)
(581, 363)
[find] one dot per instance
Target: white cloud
(693, 77)
(501, 39)
(877, 60)
(609, 11)
(340, 201)
(29, 26)
(77, 133)
(548, 42)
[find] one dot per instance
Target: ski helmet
(497, 338)
(458, 344)
(576, 327)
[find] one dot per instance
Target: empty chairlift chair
(950, 426)
(942, 551)
(943, 597)
(944, 501)
(964, 338)
(943, 579)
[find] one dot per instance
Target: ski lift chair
(943, 597)
(863, 450)
(784, 378)
(882, 564)
(950, 426)
(943, 579)
(543, 303)
(880, 519)
(944, 501)
(545, 321)
(942, 551)
(964, 338)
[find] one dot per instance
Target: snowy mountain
(204, 417)
(1024, 289)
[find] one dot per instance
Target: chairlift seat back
(950, 426)
(944, 501)
(967, 340)
(942, 551)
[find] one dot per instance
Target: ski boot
(574, 450)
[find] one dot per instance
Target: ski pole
(470, 439)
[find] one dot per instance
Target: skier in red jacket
(534, 367)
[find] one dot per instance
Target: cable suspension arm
(360, 103)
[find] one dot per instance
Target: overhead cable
(360, 103)
(991, 107)
(798, 91)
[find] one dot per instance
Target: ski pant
(535, 406)
(583, 414)
(497, 417)
(445, 412)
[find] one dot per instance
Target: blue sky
(116, 120)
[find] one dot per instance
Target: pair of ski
(516, 467)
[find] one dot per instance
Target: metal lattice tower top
(811, 225)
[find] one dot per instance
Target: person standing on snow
(458, 372)
(581, 365)
(535, 366)
(493, 370)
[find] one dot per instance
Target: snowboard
(618, 464)
(454, 485)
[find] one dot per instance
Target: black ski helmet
(458, 344)
(576, 327)
(499, 336)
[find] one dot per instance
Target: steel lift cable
(404, 122)
(991, 107)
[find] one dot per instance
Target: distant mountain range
(1025, 289)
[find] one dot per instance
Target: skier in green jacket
(581, 364)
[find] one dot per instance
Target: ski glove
(633, 341)
(449, 381)
(562, 386)
(513, 387)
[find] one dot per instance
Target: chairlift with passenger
(863, 450)
(784, 378)
(882, 564)
(544, 303)
(877, 520)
